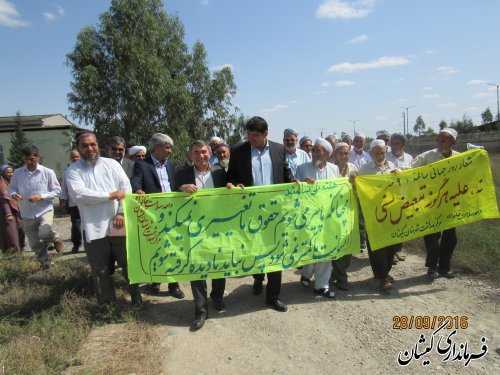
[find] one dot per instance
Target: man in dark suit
(255, 162)
(116, 150)
(156, 174)
(189, 180)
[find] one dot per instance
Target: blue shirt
(297, 158)
(161, 170)
(262, 166)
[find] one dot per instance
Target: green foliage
(464, 126)
(486, 116)
(18, 140)
(429, 131)
(134, 76)
(442, 125)
(419, 126)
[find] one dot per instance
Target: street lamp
(498, 107)
(354, 125)
(407, 118)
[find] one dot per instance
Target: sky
(318, 66)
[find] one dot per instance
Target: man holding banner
(380, 260)
(440, 245)
(189, 180)
(318, 169)
(255, 162)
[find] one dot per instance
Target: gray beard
(224, 163)
(317, 163)
(90, 162)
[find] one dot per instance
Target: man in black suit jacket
(116, 150)
(254, 162)
(189, 180)
(156, 174)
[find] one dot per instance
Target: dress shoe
(219, 305)
(257, 287)
(447, 274)
(75, 249)
(432, 273)
(176, 293)
(136, 300)
(197, 323)
(277, 305)
(154, 288)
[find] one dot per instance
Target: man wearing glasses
(116, 150)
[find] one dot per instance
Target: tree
(429, 131)
(134, 76)
(419, 126)
(18, 140)
(486, 116)
(238, 131)
(442, 125)
(464, 126)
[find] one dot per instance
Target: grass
(477, 250)
(45, 316)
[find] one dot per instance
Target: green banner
(445, 194)
(218, 233)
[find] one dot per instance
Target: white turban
(325, 144)
(451, 132)
(377, 142)
(383, 132)
(135, 149)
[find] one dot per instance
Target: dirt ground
(352, 333)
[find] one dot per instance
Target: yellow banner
(445, 194)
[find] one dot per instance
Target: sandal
(325, 292)
(304, 281)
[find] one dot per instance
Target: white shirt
(309, 170)
(90, 186)
(430, 157)
(359, 160)
(204, 180)
(161, 170)
(64, 191)
(41, 181)
(402, 162)
(372, 168)
(297, 158)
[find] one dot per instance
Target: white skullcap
(383, 132)
(341, 144)
(377, 142)
(359, 134)
(213, 139)
(344, 135)
(325, 144)
(451, 132)
(135, 149)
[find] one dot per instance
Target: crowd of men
(93, 187)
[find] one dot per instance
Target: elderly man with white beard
(318, 169)
(294, 156)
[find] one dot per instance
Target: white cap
(383, 132)
(325, 144)
(359, 134)
(135, 149)
(213, 139)
(377, 142)
(341, 144)
(450, 131)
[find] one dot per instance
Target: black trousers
(199, 289)
(76, 228)
(273, 286)
(440, 247)
(381, 260)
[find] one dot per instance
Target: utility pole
(404, 123)
(498, 107)
(354, 126)
(321, 131)
(407, 119)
